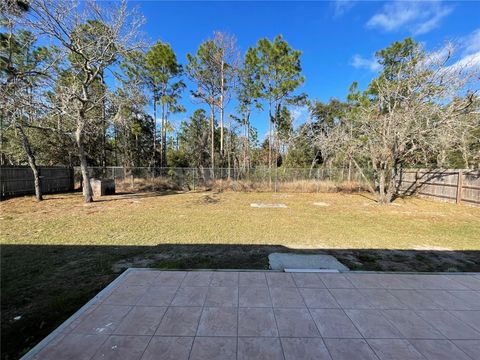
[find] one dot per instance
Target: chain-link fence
(258, 179)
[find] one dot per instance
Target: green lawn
(57, 254)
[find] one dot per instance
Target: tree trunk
(270, 144)
(154, 154)
(386, 186)
(104, 131)
(442, 159)
(31, 162)
(115, 149)
(165, 144)
(381, 187)
(162, 144)
(2, 153)
(245, 145)
(222, 110)
(248, 143)
(465, 155)
(212, 146)
(87, 189)
(229, 149)
(270, 138)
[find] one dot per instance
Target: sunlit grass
(348, 222)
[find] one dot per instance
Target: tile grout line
(296, 337)
(441, 332)
(355, 326)
(123, 318)
(275, 317)
(448, 340)
(316, 326)
(474, 291)
(96, 299)
(201, 314)
(451, 312)
(164, 313)
(238, 312)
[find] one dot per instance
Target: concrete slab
(282, 261)
(270, 315)
(268, 206)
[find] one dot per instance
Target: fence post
(71, 174)
(193, 177)
(459, 186)
(276, 178)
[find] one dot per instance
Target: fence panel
(18, 180)
(450, 185)
(471, 187)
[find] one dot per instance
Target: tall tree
(203, 70)
(279, 75)
(226, 60)
(248, 93)
(172, 97)
(161, 69)
(194, 139)
(133, 127)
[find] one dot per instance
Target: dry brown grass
(297, 186)
(350, 221)
(144, 185)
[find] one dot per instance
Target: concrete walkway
(148, 314)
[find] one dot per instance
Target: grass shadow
(45, 284)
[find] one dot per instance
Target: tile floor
(209, 315)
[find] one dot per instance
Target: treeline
(97, 95)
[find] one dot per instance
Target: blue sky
(338, 38)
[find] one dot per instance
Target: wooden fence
(450, 185)
(18, 180)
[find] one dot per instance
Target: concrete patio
(209, 315)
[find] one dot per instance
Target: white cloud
(360, 62)
(471, 61)
(470, 52)
(460, 56)
(343, 6)
(438, 56)
(417, 17)
(472, 42)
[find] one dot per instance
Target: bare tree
(467, 136)
(403, 114)
(91, 36)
